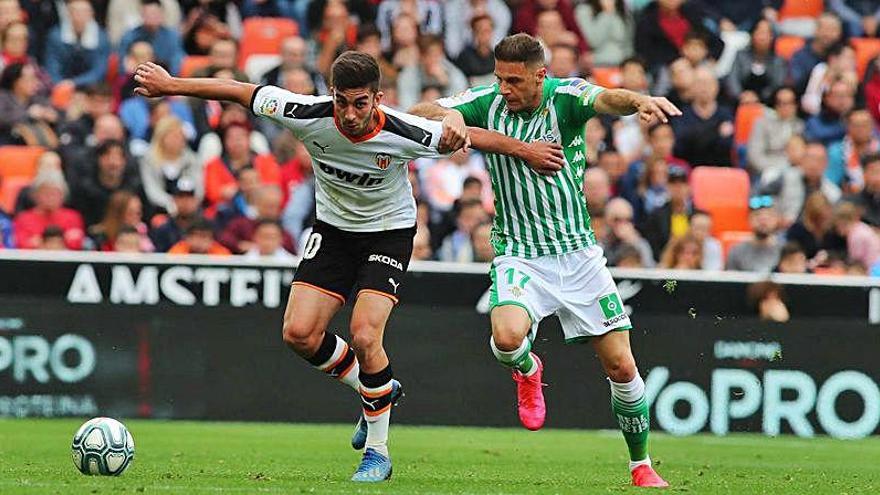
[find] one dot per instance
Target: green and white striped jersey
(536, 215)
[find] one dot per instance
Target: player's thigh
(590, 304)
(519, 298)
(383, 258)
(329, 263)
(309, 310)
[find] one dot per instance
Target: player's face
(520, 85)
(355, 109)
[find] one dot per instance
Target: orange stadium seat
(192, 63)
(787, 45)
(9, 189)
(19, 161)
(724, 193)
(264, 35)
(801, 8)
(61, 95)
(608, 77)
(746, 116)
(866, 50)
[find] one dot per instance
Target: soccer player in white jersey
(362, 241)
(547, 259)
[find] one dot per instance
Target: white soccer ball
(102, 446)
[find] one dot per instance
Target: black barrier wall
(90, 335)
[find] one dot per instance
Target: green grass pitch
(202, 458)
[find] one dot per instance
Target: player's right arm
(472, 108)
(155, 81)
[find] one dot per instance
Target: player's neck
(535, 104)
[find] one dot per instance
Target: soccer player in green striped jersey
(547, 259)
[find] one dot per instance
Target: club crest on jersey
(383, 160)
(269, 106)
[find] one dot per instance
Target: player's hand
(656, 108)
(455, 133)
(153, 80)
(543, 157)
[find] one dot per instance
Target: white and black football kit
(365, 210)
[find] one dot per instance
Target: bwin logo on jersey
(351, 178)
(388, 260)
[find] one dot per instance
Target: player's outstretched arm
(624, 102)
(155, 81)
(544, 158)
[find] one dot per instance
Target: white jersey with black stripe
(361, 184)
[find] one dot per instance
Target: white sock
(630, 391)
(342, 365)
(378, 417)
(634, 464)
(519, 359)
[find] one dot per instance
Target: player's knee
(507, 339)
(302, 336)
(365, 336)
(621, 368)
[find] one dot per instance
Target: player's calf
(337, 359)
(302, 337)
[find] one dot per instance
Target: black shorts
(338, 262)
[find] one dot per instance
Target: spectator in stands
(238, 234)
(662, 27)
(696, 50)
(294, 55)
(597, 190)
(701, 229)
(814, 230)
(677, 83)
(166, 42)
(840, 66)
(704, 132)
(482, 242)
(671, 220)
(123, 85)
(766, 150)
(128, 240)
(52, 239)
(7, 228)
(124, 15)
(220, 183)
(629, 257)
(862, 242)
(743, 14)
(652, 191)
(10, 13)
(595, 135)
(614, 167)
(767, 299)
(792, 259)
(443, 179)
(186, 211)
(211, 144)
(860, 16)
(80, 127)
(551, 31)
(427, 13)
(77, 51)
(139, 116)
(202, 29)
(434, 70)
(683, 253)
(828, 34)
(422, 245)
(15, 41)
(168, 159)
(458, 245)
(223, 56)
(757, 71)
(868, 199)
(123, 209)
(620, 233)
(199, 239)
(369, 41)
(563, 61)
(108, 174)
(477, 60)
(25, 116)
(609, 28)
(799, 182)
(404, 51)
(48, 161)
(661, 143)
(337, 33)
(460, 14)
(268, 240)
(761, 253)
(529, 13)
(845, 157)
(49, 190)
(634, 75)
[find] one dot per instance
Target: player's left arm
(625, 102)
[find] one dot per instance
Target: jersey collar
(364, 137)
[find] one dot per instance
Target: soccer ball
(102, 446)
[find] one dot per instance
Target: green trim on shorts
(493, 289)
(513, 303)
(584, 338)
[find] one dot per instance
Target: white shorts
(576, 286)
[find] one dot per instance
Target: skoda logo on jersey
(383, 160)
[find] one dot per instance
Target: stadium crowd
(784, 95)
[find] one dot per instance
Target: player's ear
(541, 73)
(377, 99)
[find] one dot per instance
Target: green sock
(519, 359)
(631, 410)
